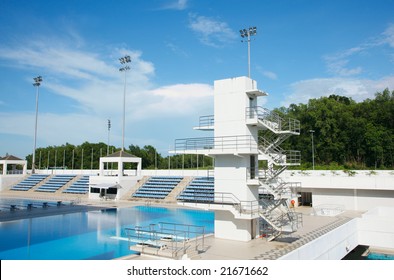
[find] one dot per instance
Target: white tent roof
(107, 186)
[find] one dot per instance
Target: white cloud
(211, 32)
(388, 35)
(179, 99)
(357, 89)
(176, 5)
(337, 63)
(94, 82)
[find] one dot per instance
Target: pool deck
(261, 249)
(215, 248)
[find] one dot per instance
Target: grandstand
(157, 187)
(54, 183)
(29, 182)
(200, 189)
(81, 186)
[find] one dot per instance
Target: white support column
(232, 169)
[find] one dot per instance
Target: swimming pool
(379, 256)
(87, 235)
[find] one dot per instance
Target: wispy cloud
(268, 74)
(357, 89)
(93, 81)
(388, 35)
(338, 63)
(176, 5)
(211, 32)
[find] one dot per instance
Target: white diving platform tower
(247, 201)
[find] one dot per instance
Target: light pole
(37, 83)
(313, 150)
(109, 129)
(124, 60)
(246, 33)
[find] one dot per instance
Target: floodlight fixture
(124, 60)
(246, 33)
(37, 83)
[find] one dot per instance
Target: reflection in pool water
(87, 235)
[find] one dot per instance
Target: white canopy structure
(120, 158)
(12, 160)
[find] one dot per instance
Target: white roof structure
(120, 158)
(12, 160)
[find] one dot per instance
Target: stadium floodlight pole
(246, 33)
(37, 83)
(124, 60)
(109, 130)
(313, 150)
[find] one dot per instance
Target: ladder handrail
(273, 120)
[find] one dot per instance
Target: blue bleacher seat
(200, 189)
(81, 186)
(55, 183)
(158, 187)
(29, 182)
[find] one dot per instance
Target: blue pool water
(87, 235)
(377, 256)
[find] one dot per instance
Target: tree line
(346, 135)
(87, 156)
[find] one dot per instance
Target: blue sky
(303, 49)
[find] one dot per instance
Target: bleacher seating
(158, 187)
(200, 189)
(29, 182)
(81, 186)
(55, 183)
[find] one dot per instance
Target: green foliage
(350, 173)
(87, 156)
(348, 135)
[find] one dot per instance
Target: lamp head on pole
(246, 33)
(125, 68)
(125, 59)
(37, 81)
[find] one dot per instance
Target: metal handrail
(208, 120)
(222, 143)
(273, 120)
(179, 236)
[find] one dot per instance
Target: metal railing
(225, 143)
(280, 156)
(206, 121)
(273, 120)
(175, 237)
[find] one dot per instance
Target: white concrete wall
(7, 181)
(230, 103)
(363, 191)
(231, 175)
(126, 183)
(176, 172)
(375, 228)
(363, 179)
(227, 227)
(332, 246)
